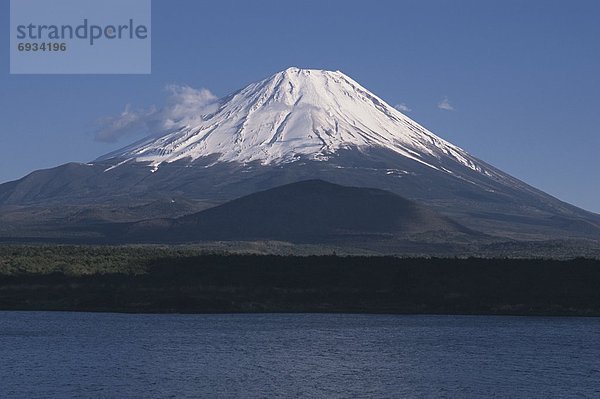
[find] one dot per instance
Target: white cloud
(445, 105)
(402, 107)
(184, 106)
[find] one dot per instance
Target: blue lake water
(75, 355)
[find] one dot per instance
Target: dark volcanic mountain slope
(307, 211)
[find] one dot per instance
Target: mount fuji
(298, 124)
(295, 114)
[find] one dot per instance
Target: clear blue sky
(523, 77)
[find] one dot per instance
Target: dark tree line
(141, 279)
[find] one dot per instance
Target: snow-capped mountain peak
(294, 114)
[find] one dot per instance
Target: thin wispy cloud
(445, 105)
(402, 107)
(129, 122)
(184, 106)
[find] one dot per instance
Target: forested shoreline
(167, 280)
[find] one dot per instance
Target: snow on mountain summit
(293, 114)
